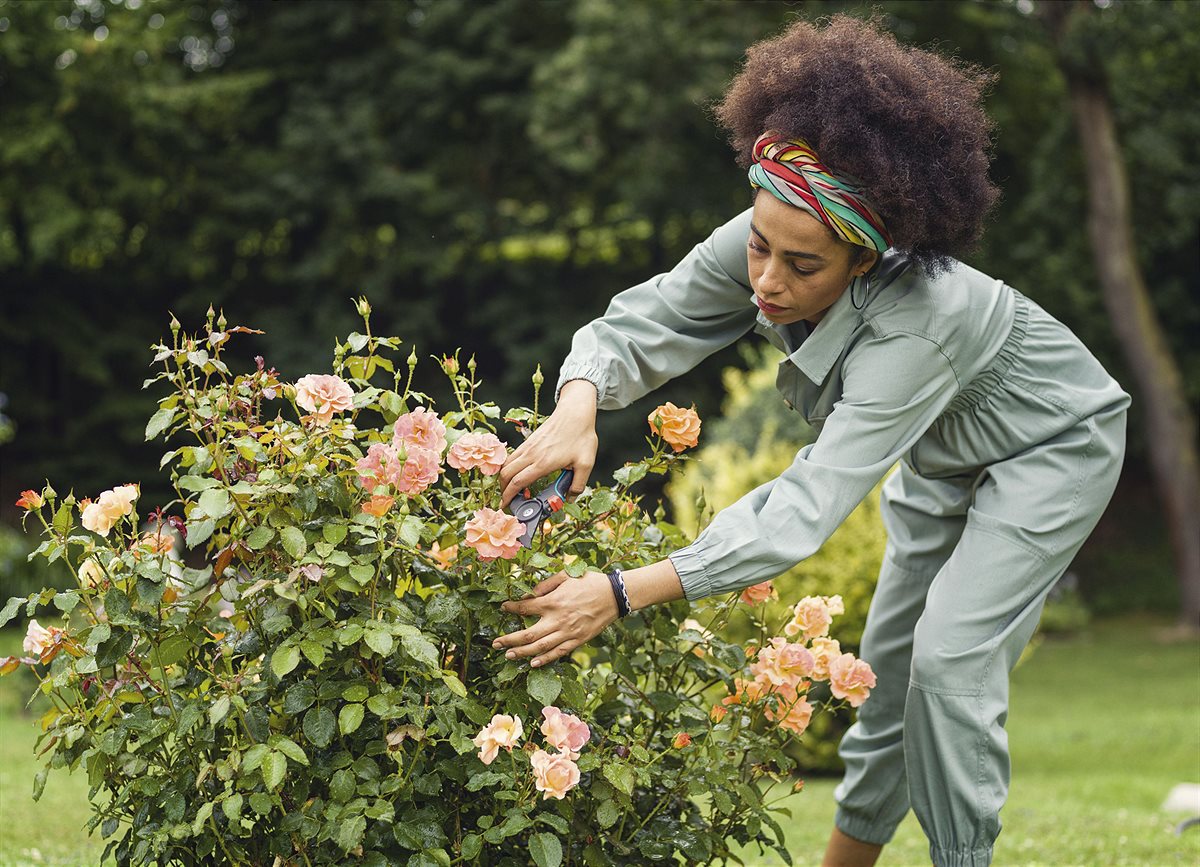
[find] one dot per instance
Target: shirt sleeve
(664, 327)
(894, 387)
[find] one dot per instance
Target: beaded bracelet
(617, 580)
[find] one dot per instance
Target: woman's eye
(802, 272)
(755, 247)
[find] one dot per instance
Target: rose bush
(314, 682)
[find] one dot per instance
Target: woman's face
(798, 268)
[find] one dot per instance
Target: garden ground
(1102, 725)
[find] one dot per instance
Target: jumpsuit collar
(816, 348)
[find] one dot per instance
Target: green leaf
(630, 473)
(350, 718)
(334, 533)
(232, 807)
(601, 501)
(313, 651)
(356, 692)
(341, 787)
(254, 757)
(219, 709)
(289, 748)
(293, 542)
(410, 530)
(66, 600)
(576, 568)
(199, 531)
(607, 814)
(201, 817)
(544, 685)
(545, 850)
(173, 649)
(214, 502)
(260, 538)
(455, 685)
(319, 726)
(362, 573)
(621, 776)
(350, 833)
(10, 608)
(285, 659)
(418, 646)
(159, 422)
(379, 639)
(472, 845)
(274, 769)
(39, 784)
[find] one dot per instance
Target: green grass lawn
(1102, 726)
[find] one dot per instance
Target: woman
(869, 164)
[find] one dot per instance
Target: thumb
(544, 587)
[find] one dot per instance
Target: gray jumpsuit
(1009, 437)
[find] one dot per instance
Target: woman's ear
(866, 261)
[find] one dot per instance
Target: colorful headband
(793, 174)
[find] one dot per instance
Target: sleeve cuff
(693, 574)
(579, 370)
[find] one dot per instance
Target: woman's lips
(768, 308)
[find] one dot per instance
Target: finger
(527, 607)
(579, 482)
(524, 636)
(556, 653)
(540, 647)
(544, 587)
(516, 462)
(523, 479)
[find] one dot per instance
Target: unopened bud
(538, 379)
(450, 364)
(363, 306)
(471, 365)
(412, 358)
(221, 321)
(174, 326)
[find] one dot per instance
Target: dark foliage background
(488, 175)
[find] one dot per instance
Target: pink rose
(322, 395)
(554, 775)
(783, 664)
(758, 593)
(851, 679)
(419, 471)
(381, 466)
(565, 732)
(109, 507)
(793, 712)
(824, 651)
(494, 534)
(810, 617)
(478, 451)
(502, 731)
(421, 428)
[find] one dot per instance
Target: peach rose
(38, 639)
(757, 594)
(91, 573)
(323, 394)
(718, 712)
(783, 664)
(155, 543)
(494, 534)
(378, 505)
(748, 691)
(810, 618)
(421, 428)
(444, 557)
(419, 470)
(565, 732)
(381, 466)
(824, 651)
(478, 451)
(793, 712)
(503, 731)
(851, 679)
(554, 775)
(109, 507)
(683, 739)
(679, 428)
(30, 500)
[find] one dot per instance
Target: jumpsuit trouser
(969, 562)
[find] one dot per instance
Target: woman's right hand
(565, 440)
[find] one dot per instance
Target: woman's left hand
(570, 611)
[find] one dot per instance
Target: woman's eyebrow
(794, 254)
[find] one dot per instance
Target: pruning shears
(532, 510)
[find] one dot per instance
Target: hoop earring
(861, 279)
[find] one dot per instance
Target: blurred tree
(1081, 41)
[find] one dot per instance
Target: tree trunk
(1170, 426)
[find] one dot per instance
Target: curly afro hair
(905, 123)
